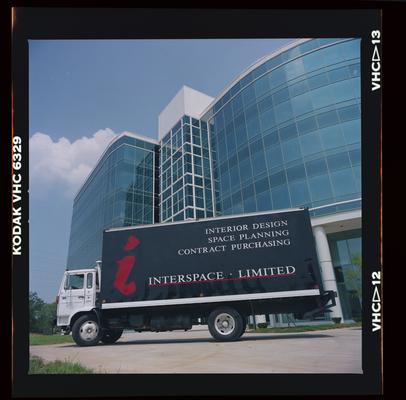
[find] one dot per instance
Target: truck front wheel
(111, 336)
(225, 324)
(86, 331)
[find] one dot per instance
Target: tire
(225, 324)
(86, 331)
(111, 336)
(244, 326)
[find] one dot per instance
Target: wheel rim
(224, 324)
(89, 331)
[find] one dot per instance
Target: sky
(84, 92)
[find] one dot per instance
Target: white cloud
(63, 165)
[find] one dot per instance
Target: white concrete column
(327, 269)
(272, 321)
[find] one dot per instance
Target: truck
(215, 271)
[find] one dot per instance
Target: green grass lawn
(37, 339)
(39, 366)
(304, 328)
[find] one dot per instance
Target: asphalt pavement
(328, 351)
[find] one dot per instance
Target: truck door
(72, 296)
(77, 290)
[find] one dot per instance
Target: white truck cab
(77, 293)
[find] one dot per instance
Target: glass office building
(285, 133)
(121, 190)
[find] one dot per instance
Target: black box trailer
(220, 270)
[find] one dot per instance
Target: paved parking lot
(330, 351)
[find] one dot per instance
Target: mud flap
(326, 301)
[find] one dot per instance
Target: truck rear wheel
(86, 331)
(225, 324)
(244, 326)
(111, 336)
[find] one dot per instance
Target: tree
(36, 304)
(47, 317)
(41, 314)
